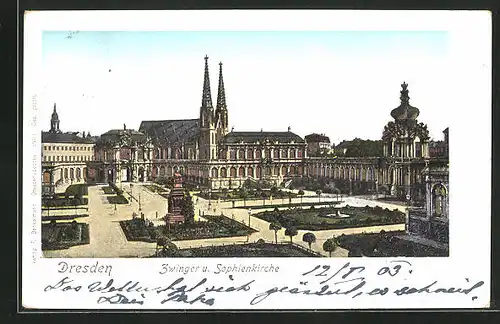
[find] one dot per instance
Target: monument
(175, 201)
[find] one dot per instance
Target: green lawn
(315, 218)
(155, 188)
(289, 205)
(76, 189)
(108, 190)
(117, 200)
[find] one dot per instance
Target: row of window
(67, 148)
(276, 154)
(76, 158)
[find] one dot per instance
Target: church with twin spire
(203, 149)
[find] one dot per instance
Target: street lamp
(249, 214)
(139, 201)
(209, 199)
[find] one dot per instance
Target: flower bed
(215, 226)
(63, 217)
(64, 202)
(117, 190)
(323, 203)
(58, 236)
(386, 245)
(247, 250)
(248, 195)
(155, 188)
(316, 218)
(77, 189)
(117, 200)
(136, 230)
(108, 190)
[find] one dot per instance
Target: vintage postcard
(222, 160)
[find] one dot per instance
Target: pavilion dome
(405, 111)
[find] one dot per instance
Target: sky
(340, 83)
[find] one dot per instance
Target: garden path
(107, 239)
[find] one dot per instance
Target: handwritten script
(348, 280)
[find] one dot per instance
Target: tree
(224, 193)
(274, 226)
(384, 189)
(319, 192)
(48, 203)
(75, 201)
(264, 196)
(291, 232)
(169, 248)
(187, 208)
(330, 245)
(244, 195)
(161, 241)
(309, 238)
(337, 191)
(300, 193)
(274, 191)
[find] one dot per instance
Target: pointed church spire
(54, 121)
(206, 101)
(221, 93)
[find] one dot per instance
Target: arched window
(284, 154)
(232, 154)
(241, 172)
(276, 154)
(257, 154)
(250, 154)
(46, 177)
(258, 172)
(292, 153)
(440, 201)
(250, 171)
(241, 154)
(284, 171)
(223, 173)
(233, 172)
(299, 153)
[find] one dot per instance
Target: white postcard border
(470, 151)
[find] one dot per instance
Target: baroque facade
(399, 171)
(203, 150)
(206, 153)
(64, 156)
